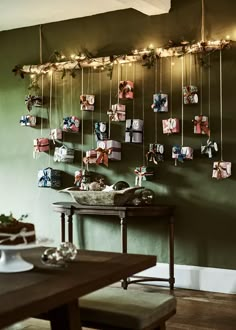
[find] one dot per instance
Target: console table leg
(123, 231)
(70, 228)
(63, 235)
(171, 253)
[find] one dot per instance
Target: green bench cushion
(126, 308)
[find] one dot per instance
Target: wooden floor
(196, 310)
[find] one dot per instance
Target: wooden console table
(68, 209)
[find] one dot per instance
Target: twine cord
(221, 107)
(182, 103)
(82, 119)
(143, 104)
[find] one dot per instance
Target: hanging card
(170, 125)
(221, 170)
(87, 102)
(160, 102)
(190, 94)
(126, 89)
(134, 131)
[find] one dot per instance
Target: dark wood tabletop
(53, 289)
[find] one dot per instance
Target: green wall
(205, 207)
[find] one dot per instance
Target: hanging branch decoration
(146, 55)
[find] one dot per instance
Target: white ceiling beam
(149, 7)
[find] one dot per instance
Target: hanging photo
(71, 124)
(55, 134)
(63, 154)
(113, 146)
(201, 125)
(155, 153)
(87, 102)
(170, 125)
(117, 112)
(41, 145)
(210, 148)
(143, 173)
(28, 120)
(33, 101)
(181, 153)
(160, 102)
(49, 178)
(100, 131)
(221, 170)
(91, 157)
(134, 131)
(190, 94)
(126, 89)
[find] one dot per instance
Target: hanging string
(40, 45)
(203, 22)
(50, 110)
(209, 93)
(171, 87)
(100, 93)
(71, 95)
(155, 90)
(92, 86)
(182, 103)
(160, 74)
(118, 81)
(82, 119)
(109, 120)
(201, 90)
(42, 82)
(221, 108)
(133, 101)
(190, 69)
(142, 68)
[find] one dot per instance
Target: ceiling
(22, 13)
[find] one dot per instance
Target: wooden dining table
(54, 291)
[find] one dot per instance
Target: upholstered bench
(116, 308)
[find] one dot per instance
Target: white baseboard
(195, 278)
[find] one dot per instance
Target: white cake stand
(11, 260)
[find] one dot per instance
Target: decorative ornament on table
(71, 124)
(63, 154)
(87, 102)
(117, 112)
(120, 185)
(28, 120)
(179, 154)
(134, 131)
(100, 131)
(143, 173)
(160, 102)
(59, 256)
(82, 179)
(201, 125)
(126, 89)
(210, 148)
(190, 94)
(170, 125)
(144, 197)
(49, 178)
(33, 101)
(155, 153)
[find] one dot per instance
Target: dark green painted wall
(205, 213)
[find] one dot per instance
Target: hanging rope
(155, 90)
(203, 22)
(100, 93)
(160, 74)
(182, 103)
(201, 89)
(221, 107)
(50, 110)
(143, 104)
(92, 86)
(133, 101)
(109, 122)
(190, 69)
(209, 92)
(40, 45)
(171, 87)
(82, 119)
